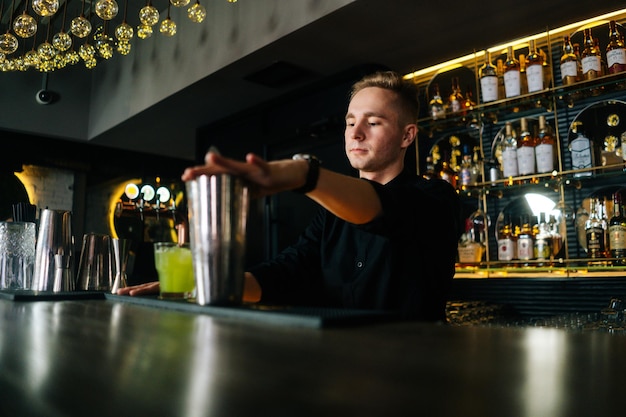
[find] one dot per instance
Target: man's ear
(410, 133)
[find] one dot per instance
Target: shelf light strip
(457, 62)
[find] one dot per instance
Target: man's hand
(265, 178)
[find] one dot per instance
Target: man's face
(374, 137)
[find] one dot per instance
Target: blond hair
(392, 81)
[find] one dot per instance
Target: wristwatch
(313, 173)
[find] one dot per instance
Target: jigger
(121, 250)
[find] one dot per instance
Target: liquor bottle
(580, 65)
(476, 171)
(525, 244)
(590, 57)
(603, 68)
(522, 74)
(430, 172)
(534, 69)
(617, 230)
(470, 251)
(544, 148)
(465, 174)
(543, 240)
(500, 74)
(569, 63)
(615, 51)
(557, 238)
(582, 152)
(437, 109)
(594, 232)
(456, 99)
(509, 152)
(506, 243)
(447, 174)
(525, 150)
(512, 81)
(480, 224)
(488, 80)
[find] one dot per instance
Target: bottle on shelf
(590, 57)
(617, 230)
(615, 50)
(595, 233)
(525, 150)
(569, 63)
(465, 174)
(471, 251)
(534, 69)
(542, 250)
(488, 76)
(522, 73)
(456, 99)
(582, 152)
(448, 174)
(500, 74)
(436, 106)
(556, 237)
(473, 245)
(430, 172)
(544, 147)
(506, 241)
(477, 166)
(509, 152)
(512, 80)
(525, 244)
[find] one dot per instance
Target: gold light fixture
(89, 22)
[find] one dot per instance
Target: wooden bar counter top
(108, 358)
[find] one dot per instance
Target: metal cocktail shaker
(218, 211)
(54, 250)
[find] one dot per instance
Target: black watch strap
(312, 175)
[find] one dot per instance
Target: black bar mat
(30, 295)
(280, 315)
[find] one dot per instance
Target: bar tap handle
(157, 208)
(140, 206)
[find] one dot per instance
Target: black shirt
(401, 261)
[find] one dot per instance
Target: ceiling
(400, 34)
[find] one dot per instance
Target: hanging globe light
(20, 63)
(2, 57)
(196, 13)
(106, 9)
(46, 51)
(168, 27)
(32, 58)
(124, 32)
(143, 31)
(91, 63)
(148, 15)
(8, 43)
(103, 44)
(80, 26)
(86, 51)
(25, 25)
(45, 7)
(59, 61)
(62, 41)
(123, 47)
(72, 57)
(179, 3)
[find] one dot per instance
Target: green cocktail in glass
(173, 264)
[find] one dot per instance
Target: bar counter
(111, 358)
